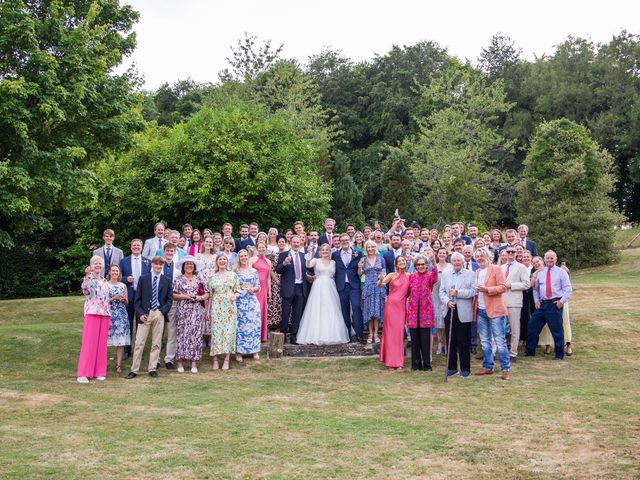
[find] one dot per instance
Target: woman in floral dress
(274, 305)
(249, 319)
(119, 332)
(223, 291)
(190, 313)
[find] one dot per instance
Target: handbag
(201, 292)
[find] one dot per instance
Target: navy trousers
(550, 315)
(350, 301)
(296, 302)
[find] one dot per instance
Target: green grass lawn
(327, 418)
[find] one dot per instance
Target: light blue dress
(249, 320)
(119, 333)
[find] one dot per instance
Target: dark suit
(322, 239)
(143, 297)
(389, 261)
(293, 295)
(127, 271)
(464, 238)
(532, 247)
(241, 243)
(348, 286)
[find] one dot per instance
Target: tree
(563, 195)
(237, 163)
(175, 103)
(397, 187)
(453, 158)
(61, 107)
(346, 205)
(247, 61)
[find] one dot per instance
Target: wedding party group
(444, 290)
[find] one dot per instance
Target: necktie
(468, 267)
(548, 292)
(154, 293)
(136, 270)
(329, 238)
(296, 265)
(107, 260)
(159, 244)
(506, 275)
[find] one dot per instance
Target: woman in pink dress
(395, 313)
(263, 266)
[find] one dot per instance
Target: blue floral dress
(373, 298)
(119, 333)
(249, 319)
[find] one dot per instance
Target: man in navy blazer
(348, 283)
(293, 286)
(390, 256)
(132, 268)
(153, 301)
(530, 245)
(327, 237)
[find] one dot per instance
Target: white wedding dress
(322, 322)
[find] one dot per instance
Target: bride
(322, 322)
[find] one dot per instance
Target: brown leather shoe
(505, 375)
(485, 371)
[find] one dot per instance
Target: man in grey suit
(456, 293)
(155, 246)
(110, 255)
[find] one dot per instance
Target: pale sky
(179, 39)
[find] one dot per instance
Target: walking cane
(446, 367)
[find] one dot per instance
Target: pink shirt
(96, 292)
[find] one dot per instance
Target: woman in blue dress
(249, 319)
(373, 298)
(119, 332)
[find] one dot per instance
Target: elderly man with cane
(457, 292)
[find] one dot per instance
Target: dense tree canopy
(61, 107)
(563, 194)
(273, 140)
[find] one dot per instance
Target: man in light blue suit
(456, 293)
(155, 246)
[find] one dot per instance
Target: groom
(293, 286)
(348, 283)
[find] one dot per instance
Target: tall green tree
(346, 204)
(398, 189)
(453, 159)
(563, 195)
(61, 106)
(238, 163)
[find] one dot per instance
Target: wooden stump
(275, 346)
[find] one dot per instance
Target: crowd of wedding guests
(211, 290)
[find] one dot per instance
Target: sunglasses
(421, 264)
(511, 251)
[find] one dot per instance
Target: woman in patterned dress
(119, 332)
(248, 306)
(190, 313)
(97, 316)
(263, 266)
(223, 291)
(207, 259)
(420, 313)
(373, 298)
(274, 306)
